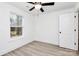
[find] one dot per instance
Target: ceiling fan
(38, 5)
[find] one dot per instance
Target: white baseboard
(11, 49)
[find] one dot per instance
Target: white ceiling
(58, 6)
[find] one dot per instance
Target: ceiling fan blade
(31, 2)
(31, 8)
(48, 4)
(41, 9)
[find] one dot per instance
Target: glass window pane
(15, 25)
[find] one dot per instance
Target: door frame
(76, 26)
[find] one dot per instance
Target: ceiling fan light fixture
(38, 6)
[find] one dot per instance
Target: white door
(66, 28)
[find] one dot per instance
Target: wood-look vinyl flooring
(37, 48)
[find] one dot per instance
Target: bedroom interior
(39, 28)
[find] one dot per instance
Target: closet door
(66, 31)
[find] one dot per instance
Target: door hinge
(74, 43)
(74, 16)
(74, 29)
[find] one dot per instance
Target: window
(15, 25)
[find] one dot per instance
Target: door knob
(60, 32)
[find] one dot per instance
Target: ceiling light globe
(37, 6)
